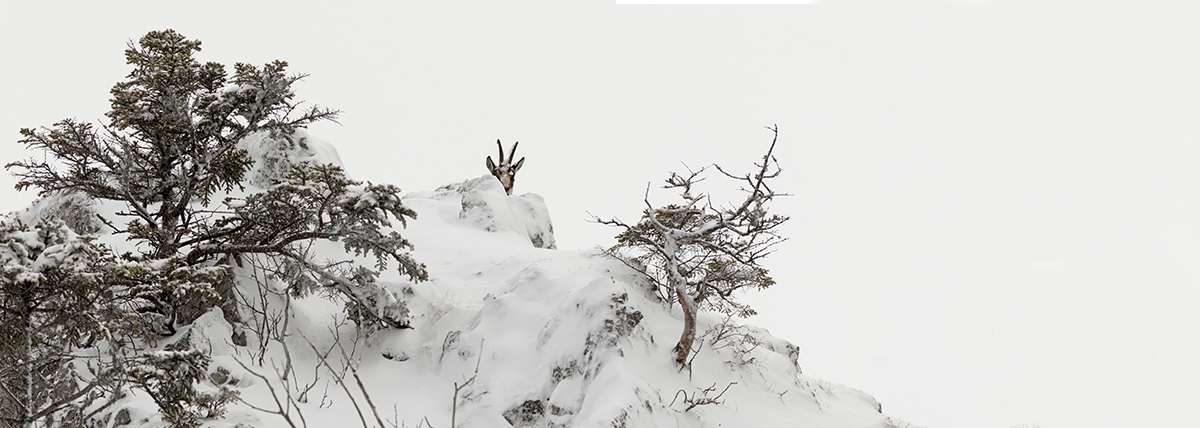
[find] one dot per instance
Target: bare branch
(693, 401)
(325, 361)
(457, 387)
(361, 388)
(701, 253)
(281, 409)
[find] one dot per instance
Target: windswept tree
(171, 139)
(700, 254)
(167, 150)
(171, 144)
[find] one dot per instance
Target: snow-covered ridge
(539, 337)
(486, 205)
(274, 155)
(571, 339)
(560, 339)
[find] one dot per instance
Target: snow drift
(508, 332)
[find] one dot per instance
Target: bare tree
(699, 253)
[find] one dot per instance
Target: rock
(122, 418)
(396, 356)
(239, 338)
(525, 414)
(184, 343)
(219, 377)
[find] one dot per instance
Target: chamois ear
(517, 167)
(491, 165)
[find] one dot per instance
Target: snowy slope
(552, 338)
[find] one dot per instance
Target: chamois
(506, 171)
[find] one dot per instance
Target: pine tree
(170, 378)
(171, 140)
(54, 303)
(319, 202)
(171, 144)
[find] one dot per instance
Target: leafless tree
(699, 253)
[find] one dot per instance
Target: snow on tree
(172, 143)
(319, 202)
(171, 139)
(700, 254)
(169, 148)
(74, 315)
(170, 378)
(54, 304)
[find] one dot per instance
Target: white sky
(996, 207)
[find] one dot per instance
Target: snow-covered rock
(507, 332)
(73, 208)
(209, 333)
(274, 155)
(485, 205)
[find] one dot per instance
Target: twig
(692, 401)
(339, 381)
(362, 388)
(457, 387)
(281, 410)
(108, 223)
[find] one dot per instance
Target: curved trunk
(689, 326)
(685, 300)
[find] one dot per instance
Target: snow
(73, 208)
(274, 156)
(210, 333)
(540, 337)
(485, 205)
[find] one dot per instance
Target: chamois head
(506, 171)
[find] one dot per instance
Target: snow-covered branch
(700, 254)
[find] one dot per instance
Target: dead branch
(338, 380)
(358, 380)
(283, 409)
(457, 387)
(704, 399)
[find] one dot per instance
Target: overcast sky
(996, 210)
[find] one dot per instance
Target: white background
(996, 204)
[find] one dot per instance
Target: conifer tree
(171, 144)
(168, 147)
(53, 304)
(171, 140)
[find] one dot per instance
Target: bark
(27, 347)
(720, 246)
(689, 326)
(16, 397)
(671, 248)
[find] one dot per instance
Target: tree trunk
(686, 302)
(27, 348)
(689, 326)
(15, 399)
